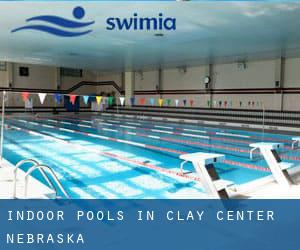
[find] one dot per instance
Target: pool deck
(267, 188)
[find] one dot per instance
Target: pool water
(97, 156)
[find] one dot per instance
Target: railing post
(2, 124)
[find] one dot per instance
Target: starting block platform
(296, 141)
(210, 180)
(277, 167)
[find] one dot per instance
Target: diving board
(277, 167)
(210, 180)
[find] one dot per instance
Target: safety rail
(41, 168)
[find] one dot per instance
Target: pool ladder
(42, 169)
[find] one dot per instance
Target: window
(23, 71)
(2, 66)
(71, 72)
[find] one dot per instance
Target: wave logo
(61, 24)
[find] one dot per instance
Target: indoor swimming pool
(99, 156)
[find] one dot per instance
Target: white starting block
(277, 167)
(210, 180)
(296, 141)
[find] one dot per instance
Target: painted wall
(43, 77)
(146, 80)
(256, 75)
(178, 79)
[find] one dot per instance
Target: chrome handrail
(53, 175)
(18, 165)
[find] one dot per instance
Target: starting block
(296, 141)
(277, 167)
(210, 180)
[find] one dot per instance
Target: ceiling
(206, 32)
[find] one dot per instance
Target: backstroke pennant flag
(169, 102)
(160, 101)
(191, 102)
(86, 99)
(25, 96)
(122, 100)
(152, 101)
(42, 97)
(110, 100)
(72, 99)
(142, 101)
(176, 102)
(98, 99)
(57, 98)
(132, 101)
(184, 102)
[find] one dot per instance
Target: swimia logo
(141, 23)
(65, 27)
(60, 26)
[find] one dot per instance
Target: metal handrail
(18, 165)
(53, 175)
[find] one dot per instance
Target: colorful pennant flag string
(160, 101)
(98, 99)
(72, 99)
(42, 97)
(142, 101)
(132, 101)
(152, 101)
(57, 98)
(122, 100)
(110, 100)
(86, 99)
(25, 96)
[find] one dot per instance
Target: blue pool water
(108, 157)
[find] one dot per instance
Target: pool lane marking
(200, 131)
(82, 125)
(130, 127)
(157, 126)
(212, 132)
(294, 158)
(174, 140)
(166, 132)
(134, 123)
(111, 155)
(245, 165)
(286, 157)
(171, 139)
(118, 140)
(233, 135)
